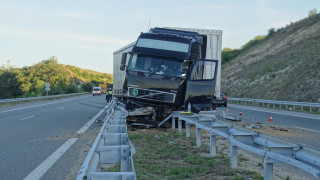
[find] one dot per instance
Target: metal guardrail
(286, 104)
(111, 147)
(16, 100)
(274, 150)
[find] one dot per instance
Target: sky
(85, 33)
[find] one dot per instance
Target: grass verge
(167, 154)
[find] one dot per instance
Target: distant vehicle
(103, 88)
(223, 101)
(96, 91)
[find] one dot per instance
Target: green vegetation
(283, 65)
(64, 79)
(166, 154)
(228, 54)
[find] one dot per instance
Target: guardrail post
(179, 125)
(125, 159)
(213, 143)
(268, 169)
(233, 156)
(187, 129)
(173, 122)
(198, 137)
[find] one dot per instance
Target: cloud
(79, 40)
(70, 15)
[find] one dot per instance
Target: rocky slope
(285, 66)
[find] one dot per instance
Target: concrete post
(213, 143)
(173, 122)
(179, 125)
(268, 169)
(233, 156)
(187, 129)
(198, 137)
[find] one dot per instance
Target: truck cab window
(203, 70)
(155, 65)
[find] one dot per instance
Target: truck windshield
(155, 65)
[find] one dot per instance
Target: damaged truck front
(168, 68)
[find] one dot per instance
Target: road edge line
(48, 163)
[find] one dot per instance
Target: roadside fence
(28, 99)
(289, 105)
(110, 149)
(272, 149)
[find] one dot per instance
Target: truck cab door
(201, 84)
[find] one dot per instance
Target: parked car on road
(223, 101)
(96, 91)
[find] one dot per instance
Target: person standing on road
(110, 95)
(107, 96)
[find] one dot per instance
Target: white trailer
(214, 48)
(118, 75)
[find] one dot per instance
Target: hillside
(30, 81)
(85, 75)
(283, 66)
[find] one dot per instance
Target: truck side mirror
(123, 61)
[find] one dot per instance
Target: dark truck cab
(166, 70)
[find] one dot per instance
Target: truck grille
(151, 95)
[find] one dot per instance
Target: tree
(10, 85)
(312, 12)
(271, 31)
(87, 87)
(229, 54)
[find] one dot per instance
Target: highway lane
(29, 133)
(280, 117)
(303, 128)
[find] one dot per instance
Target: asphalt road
(30, 133)
(305, 125)
(280, 117)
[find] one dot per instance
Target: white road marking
(275, 112)
(88, 124)
(27, 118)
(47, 164)
(308, 129)
(40, 105)
(61, 108)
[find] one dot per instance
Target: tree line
(63, 79)
(229, 54)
